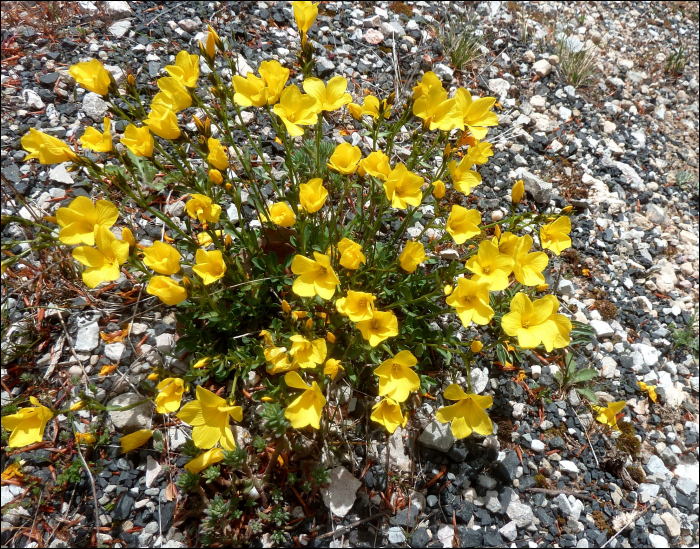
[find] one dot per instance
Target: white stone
(153, 469)
(657, 541)
(520, 513)
(32, 100)
(602, 328)
(117, 10)
(128, 421)
(480, 379)
(340, 495)
(542, 68)
(649, 353)
(115, 351)
(120, 28)
(569, 467)
(673, 527)
(540, 190)
(529, 57)
(59, 174)
(94, 106)
(395, 535)
(608, 367)
(689, 472)
(446, 534)
(499, 87)
(509, 531)
(88, 338)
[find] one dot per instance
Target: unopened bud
(477, 346)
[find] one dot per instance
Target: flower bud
(447, 151)
(330, 337)
(77, 406)
(286, 307)
(516, 195)
(438, 189)
(447, 290)
(310, 324)
(215, 176)
(497, 232)
(130, 79)
(187, 284)
(542, 287)
(567, 209)
(266, 399)
(228, 186)
(153, 377)
(477, 346)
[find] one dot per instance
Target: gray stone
(94, 106)
(602, 328)
(566, 287)
(88, 338)
(645, 492)
(120, 28)
(340, 495)
(190, 25)
(509, 531)
(153, 469)
(487, 482)
(443, 71)
(686, 486)
(128, 421)
(669, 457)
(324, 66)
(656, 214)
(542, 68)
(32, 100)
(520, 513)
(396, 535)
(499, 87)
(437, 436)
(540, 190)
(656, 467)
(165, 342)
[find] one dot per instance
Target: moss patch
(627, 442)
(541, 481)
(401, 8)
(636, 473)
(601, 523)
(606, 309)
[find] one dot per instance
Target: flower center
(526, 323)
(487, 270)
(375, 325)
(362, 303)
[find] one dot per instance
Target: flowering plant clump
(326, 266)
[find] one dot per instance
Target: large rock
(437, 436)
(128, 421)
(540, 190)
(340, 495)
(600, 196)
(94, 106)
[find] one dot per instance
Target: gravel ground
(623, 150)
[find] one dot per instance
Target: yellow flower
(162, 258)
(217, 154)
(329, 98)
(562, 323)
(79, 219)
(274, 76)
(138, 140)
(162, 121)
(463, 224)
(480, 153)
(249, 91)
(491, 266)
(213, 41)
(77, 406)
(305, 14)
(315, 277)
(216, 177)
(207, 459)
(463, 179)
(471, 299)
(173, 95)
(555, 236)
(135, 440)
(186, 68)
(305, 353)
(476, 115)
(332, 367)
(153, 377)
(170, 395)
(12, 470)
(516, 194)
(209, 416)
(403, 187)
(436, 110)
(412, 255)
(210, 266)
(312, 195)
(128, 236)
(92, 76)
(370, 107)
(166, 289)
(651, 389)
(528, 267)
(476, 346)
(280, 214)
(429, 80)
(357, 306)
(102, 263)
(267, 337)
(380, 327)
(351, 255)
(278, 360)
(396, 378)
(307, 408)
(28, 424)
(345, 159)
(94, 140)
(531, 322)
(376, 164)
(388, 413)
(201, 207)
(607, 415)
(85, 438)
(439, 189)
(46, 148)
(296, 110)
(205, 239)
(468, 414)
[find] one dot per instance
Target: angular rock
(120, 28)
(529, 56)
(673, 527)
(59, 174)
(437, 436)
(340, 495)
(602, 328)
(540, 190)
(88, 338)
(657, 541)
(32, 100)
(520, 513)
(117, 10)
(128, 421)
(153, 469)
(94, 106)
(499, 87)
(542, 68)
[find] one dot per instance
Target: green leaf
(146, 170)
(584, 375)
(587, 393)
(502, 354)
(559, 378)
(569, 364)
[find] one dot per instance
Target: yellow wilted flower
(309, 324)
(329, 98)
(516, 194)
(94, 140)
(163, 122)
(375, 164)
(85, 438)
(397, 380)
(344, 159)
(332, 367)
(468, 414)
(463, 178)
(439, 189)
(274, 76)
(555, 236)
(476, 346)
(307, 408)
(210, 266)
(173, 95)
(217, 154)
(186, 68)
(267, 337)
(315, 277)
(357, 306)
(650, 389)
(201, 207)
(46, 148)
(429, 80)
(162, 258)
(28, 424)
(298, 315)
(170, 395)
(607, 415)
(79, 219)
(92, 76)
(102, 263)
(388, 413)
(216, 177)
(207, 459)
(138, 140)
(305, 353)
(351, 255)
(280, 214)
(403, 187)
(135, 440)
(491, 266)
(437, 111)
(166, 289)
(296, 110)
(528, 267)
(463, 224)
(370, 107)
(209, 417)
(12, 470)
(305, 14)
(471, 299)
(412, 255)
(531, 322)
(380, 327)
(476, 115)
(313, 195)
